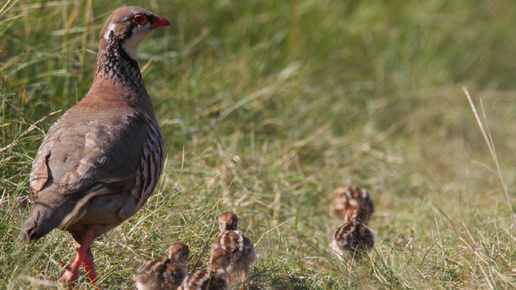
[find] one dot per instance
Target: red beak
(159, 22)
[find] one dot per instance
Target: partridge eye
(139, 19)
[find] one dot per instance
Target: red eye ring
(140, 19)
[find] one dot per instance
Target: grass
(265, 107)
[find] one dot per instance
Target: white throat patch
(109, 29)
(131, 44)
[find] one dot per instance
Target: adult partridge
(212, 278)
(352, 203)
(239, 246)
(164, 273)
(101, 160)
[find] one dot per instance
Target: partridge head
(228, 221)
(120, 37)
(178, 252)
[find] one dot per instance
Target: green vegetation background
(265, 107)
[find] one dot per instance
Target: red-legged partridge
(212, 278)
(237, 244)
(352, 203)
(101, 160)
(164, 273)
(352, 237)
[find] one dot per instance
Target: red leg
(87, 263)
(71, 272)
(83, 257)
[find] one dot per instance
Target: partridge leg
(84, 257)
(71, 271)
(87, 263)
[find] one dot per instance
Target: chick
(352, 237)
(239, 246)
(164, 272)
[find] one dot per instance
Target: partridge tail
(43, 218)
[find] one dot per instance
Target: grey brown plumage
(100, 162)
(240, 247)
(213, 277)
(165, 272)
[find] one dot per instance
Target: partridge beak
(159, 22)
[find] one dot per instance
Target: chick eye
(139, 19)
